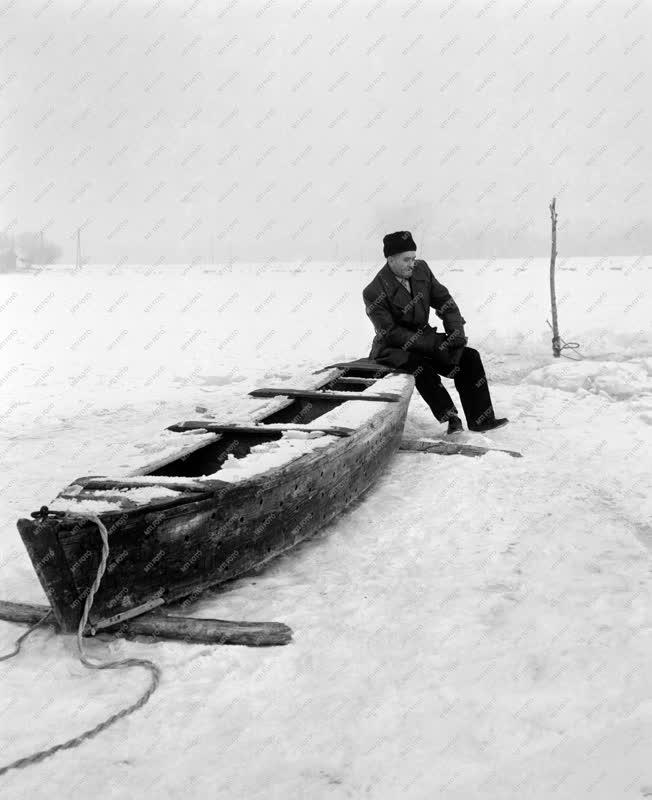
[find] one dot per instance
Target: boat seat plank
(256, 430)
(364, 381)
(101, 482)
(362, 364)
(335, 397)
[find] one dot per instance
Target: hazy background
(175, 131)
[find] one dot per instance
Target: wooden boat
(203, 530)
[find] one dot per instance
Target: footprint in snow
(221, 380)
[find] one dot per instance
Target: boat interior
(210, 458)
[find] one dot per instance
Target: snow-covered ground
(471, 628)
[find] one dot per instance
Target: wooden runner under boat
(202, 524)
(166, 626)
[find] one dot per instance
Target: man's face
(402, 264)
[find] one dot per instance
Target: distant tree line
(29, 247)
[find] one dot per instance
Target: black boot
(454, 424)
(489, 425)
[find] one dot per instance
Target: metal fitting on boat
(44, 512)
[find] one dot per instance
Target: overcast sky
(308, 129)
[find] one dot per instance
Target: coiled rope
(153, 669)
(567, 346)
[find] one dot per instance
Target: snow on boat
(235, 497)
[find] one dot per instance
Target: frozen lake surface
(471, 628)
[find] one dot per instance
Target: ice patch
(220, 380)
(617, 380)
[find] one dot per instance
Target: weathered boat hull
(173, 550)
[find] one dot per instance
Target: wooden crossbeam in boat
(345, 380)
(191, 491)
(450, 448)
(334, 397)
(255, 430)
(123, 504)
(101, 482)
(162, 625)
(363, 364)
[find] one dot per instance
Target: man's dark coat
(401, 321)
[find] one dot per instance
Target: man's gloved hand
(455, 342)
(456, 338)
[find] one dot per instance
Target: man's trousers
(470, 382)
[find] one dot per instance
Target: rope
(21, 639)
(154, 670)
(567, 346)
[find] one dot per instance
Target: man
(398, 302)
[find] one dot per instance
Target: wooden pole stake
(556, 346)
